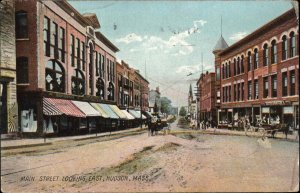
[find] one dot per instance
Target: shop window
(284, 48)
(292, 44)
(273, 52)
(284, 84)
(256, 59)
(47, 36)
(274, 85)
(78, 83)
(249, 90)
(72, 50)
(249, 61)
(100, 88)
(111, 91)
(293, 83)
(265, 55)
(266, 87)
(22, 70)
(256, 89)
(21, 25)
(55, 76)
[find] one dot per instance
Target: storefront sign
(288, 110)
(278, 102)
(265, 109)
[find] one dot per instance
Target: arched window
(238, 65)
(284, 48)
(242, 64)
(255, 58)
(249, 61)
(226, 70)
(265, 55)
(22, 70)
(111, 91)
(21, 25)
(229, 69)
(55, 76)
(100, 88)
(234, 63)
(292, 44)
(273, 52)
(78, 83)
(223, 71)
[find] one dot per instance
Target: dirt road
(141, 163)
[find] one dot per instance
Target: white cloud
(187, 69)
(237, 36)
(133, 50)
(130, 38)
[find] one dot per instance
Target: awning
(49, 109)
(143, 116)
(135, 114)
(109, 111)
(100, 110)
(118, 111)
(147, 114)
(86, 108)
(128, 115)
(65, 107)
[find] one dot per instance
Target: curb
(25, 146)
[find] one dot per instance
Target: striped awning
(65, 107)
(100, 110)
(118, 111)
(87, 109)
(135, 114)
(49, 109)
(109, 111)
(143, 116)
(128, 115)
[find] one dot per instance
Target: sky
(166, 39)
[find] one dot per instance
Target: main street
(138, 162)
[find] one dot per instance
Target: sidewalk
(17, 143)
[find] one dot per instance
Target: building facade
(60, 54)
(192, 105)
(154, 100)
(259, 75)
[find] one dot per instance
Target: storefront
(122, 116)
(130, 119)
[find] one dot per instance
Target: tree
(165, 105)
(182, 111)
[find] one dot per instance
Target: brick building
(260, 74)
(207, 98)
(61, 55)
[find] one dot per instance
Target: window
(229, 93)
(83, 55)
(266, 87)
(55, 76)
(229, 70)
(242, 64)
(21, 25)
(223, 92)
(235, 68)
(265, 55)
(292, 83)
(273, 52)
(256, 89)
(274, 85)
(292, 44)
(108, 69)
(91, 69)
(78, 83)
(100, 88)
(47, 36)
(223, 71)
(22, 70)
(249, 90)
(72, 50)
(111, 92)
(78, 53)
(61, 44)
(255, 59)
(284, 84)
(234, 96)
(97, 61)
(218, 74)
(54, 40)
(242, 91)
(249, 61)
(238, 92)
(102, 66)
(284, 48)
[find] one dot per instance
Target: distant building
(154, 97)
(192, 105)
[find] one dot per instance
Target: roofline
(106, 41)
(141, 76)
(283, 17)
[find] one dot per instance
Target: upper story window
(284, 48)
(274, 85)
(78, 83)
(266, 87)
(54, 40)
(55, 76)
(274, 52)
(102, 66)
(235, 68)
(229, 70)
(292, 83)
(91, 70)
(111, 91)
(61, 44)
(77, 45)
(292, 44)
(242, 64)
(249, 61)
(218, 74)
(223, 71)
(249, 90)
(72, 50)
(284, 84)
(255, 89)
(255, 58)
(47, 36)
(22, 70)
(265, 55)
(21, 25)
(100, 88)
(83, 55)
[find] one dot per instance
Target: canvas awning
(148, 114)
(50, 109)
(118, 111)
(87, 109)
(128, 115)
(135, 114)
(65, 107)
(100, 110)
(109, 111)
(143, 116)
